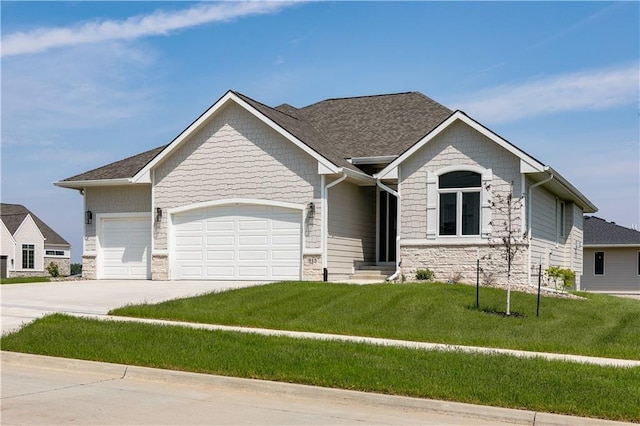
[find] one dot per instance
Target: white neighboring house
(29, 245)
(611, 257)
(330, 191)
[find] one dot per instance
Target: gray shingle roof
(121, 169)
(337, 129)
(600, 232)
(373, 126)
(13, 215)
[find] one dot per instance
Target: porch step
(375, 273)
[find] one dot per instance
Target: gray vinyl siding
(544, 229)
(352, 231)
(620, 270)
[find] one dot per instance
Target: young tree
(507, 233)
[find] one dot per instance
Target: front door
(387, 219)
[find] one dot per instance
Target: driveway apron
(23, 303)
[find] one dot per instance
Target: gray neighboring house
(611, 257)
(353, 187)
(29, 245)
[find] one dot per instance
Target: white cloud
(157, 23)
(590, 90)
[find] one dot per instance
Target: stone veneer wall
(64, 264)
(449, 262)
(89, 267)
(312, 267)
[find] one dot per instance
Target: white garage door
(124, 248)
(239, 242)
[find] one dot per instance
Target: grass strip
(600, 325)
(24, 280)
(497, 380)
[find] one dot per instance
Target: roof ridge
(242, 95)
(364, 96)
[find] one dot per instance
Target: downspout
(395, 194)
(325, 221)
(529, 230)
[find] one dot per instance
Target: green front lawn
(598, 326)
(23, 280)
(504, 381)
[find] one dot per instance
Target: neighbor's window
(599, 263)
(459, 202)
(54, 253)
(28, 256)
(639, 263)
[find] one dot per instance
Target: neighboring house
(396, 182)
(29, 245)
(611, 257)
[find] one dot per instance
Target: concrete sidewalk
(608, 362)
(37, 390)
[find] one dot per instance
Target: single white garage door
(124, 248)
(238, 242)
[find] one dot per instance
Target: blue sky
(88, 83)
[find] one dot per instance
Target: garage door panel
(253, 272)
(252, 240)
(253, 225)
(224, 272)
(226, 255)
(124, 248)
(253, 255)
(220, 241)
(239, 242)
(221, 226)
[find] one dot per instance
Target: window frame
(54, 253)
(459, 191)
(30, 259)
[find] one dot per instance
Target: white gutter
(325, 216)
(529, 205)
(395, 194)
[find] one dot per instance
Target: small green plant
(52, 269)
(565, 276)
(424, 274)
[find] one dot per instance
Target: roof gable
(600, 232)
(292, 128)
(461, 116)
(13, 216)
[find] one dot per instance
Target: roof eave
(360, 177)
(611, 245)
(81, 184)
(579, 197)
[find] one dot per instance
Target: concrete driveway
(22, 303)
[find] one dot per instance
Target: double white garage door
(236, 242)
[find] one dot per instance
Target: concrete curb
(608, 362)
(120, 371)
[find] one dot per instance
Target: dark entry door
(3, 266)
(387, 227)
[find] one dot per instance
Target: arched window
(459, 203)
